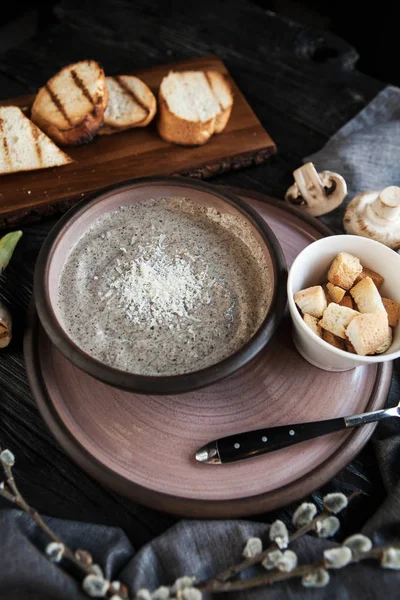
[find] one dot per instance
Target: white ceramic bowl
(311, 267)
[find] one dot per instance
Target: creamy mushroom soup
(164, 287)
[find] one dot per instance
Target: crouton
(348, 346)
(376, 278)
(335, 292)
(368, 332)
(311, 301)
(312, 323)
(327, 296)
(387, 343)
(365, 294)
(347, 301)
(393, 311)
(333, 340)
(336, 318)
(344, 270)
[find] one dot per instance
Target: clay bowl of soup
(160, 285)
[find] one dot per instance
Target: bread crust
(333, 339)
(34, 138)
(376, 277)
(366, 296)
(347, 301)
(393, 311)
(344, 270)
(76, 133)
(312, 323)
(111, 126)
(335, 292)
(369, 332)
(180, 131)
(311, 300)
(336, 318)
(222, 119)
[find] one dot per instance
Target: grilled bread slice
(23, 147)
(224, 97)
(193, 105)
(131, 103)
(70, 107)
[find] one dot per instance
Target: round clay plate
(143, 446)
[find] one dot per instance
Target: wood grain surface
(301, 102)
(143, 446)
(138, 152)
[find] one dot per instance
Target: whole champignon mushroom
(7, 247)
(376, 215)
(5, 326)
(316, 193)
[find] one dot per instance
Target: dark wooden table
(302, 84)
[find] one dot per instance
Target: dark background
(301, 82)
(372, 28)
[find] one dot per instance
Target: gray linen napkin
(367, 152)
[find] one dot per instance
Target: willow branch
(16, 498)
(258, 558)
(213, 585)
(6, 494)
(10, 480)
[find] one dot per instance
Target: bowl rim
(160, 384)
(319, 341)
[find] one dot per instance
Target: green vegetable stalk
(7, 247)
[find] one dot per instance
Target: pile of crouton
(348, 311)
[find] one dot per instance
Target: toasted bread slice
(312, 323)
(223, 94)
(23, 147)
(131, 103)
(344, 270)
(335, 292)
(368, 332)
(311, 300)
(393, 311)
(336, 318)
(365, 294)
(193, 105)
(70, 107)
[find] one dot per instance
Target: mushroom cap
(363, 217)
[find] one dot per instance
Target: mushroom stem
(375, 214)
(316, 193)
(309, 184)
(387, 203)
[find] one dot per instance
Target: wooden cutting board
(134, 153)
